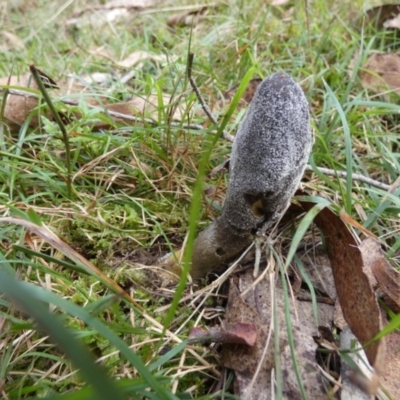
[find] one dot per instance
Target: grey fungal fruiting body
(269, 155)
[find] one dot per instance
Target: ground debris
(255, 308)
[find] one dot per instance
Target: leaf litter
(348, 261)
(381, 73)
(111, 12)
(249, 311)
(383, 16)
(20, 104)
(189, 18)
(253, 366)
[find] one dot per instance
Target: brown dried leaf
(138, 57)
(318, 268)
(392, 23)
(18, 108)
(148, 107)
(255, 308)
(11, 42)
(391, 372)
(356, 297)
(239, 333)
(386, 276)
(368, 251)
(279, 2)
(379, 16)
(112, 11)
(97, 18)
(381, 73)
(248, 93)
(187, 18)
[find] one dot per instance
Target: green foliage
(137, 190)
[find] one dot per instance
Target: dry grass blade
(57, 243)
(205, 107)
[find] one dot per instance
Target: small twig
(319, 299)
(111, 113)
(57, 117)
(204, 106)
(356, 177)
(330, 172)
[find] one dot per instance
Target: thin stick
(57, 117)
(111, 113)
(204, 106)
(356, 177)
(330, 172)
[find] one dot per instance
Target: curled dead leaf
(356, 297)
(148, 106)
(238, 333)
(187, 18)
(11, 42)
(137, 58)
(17, 107)
(386, 276)
(380, 16)
(21, 103)
(112, 11)
(381, 73)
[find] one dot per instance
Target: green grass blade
(310, 287)
(306, 221)
(104, 331)
(348, 148)
(104, 387)
(289, 329)
(5, 266)
(166, 357)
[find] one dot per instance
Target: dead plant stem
(204, 106)
(57, 117)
